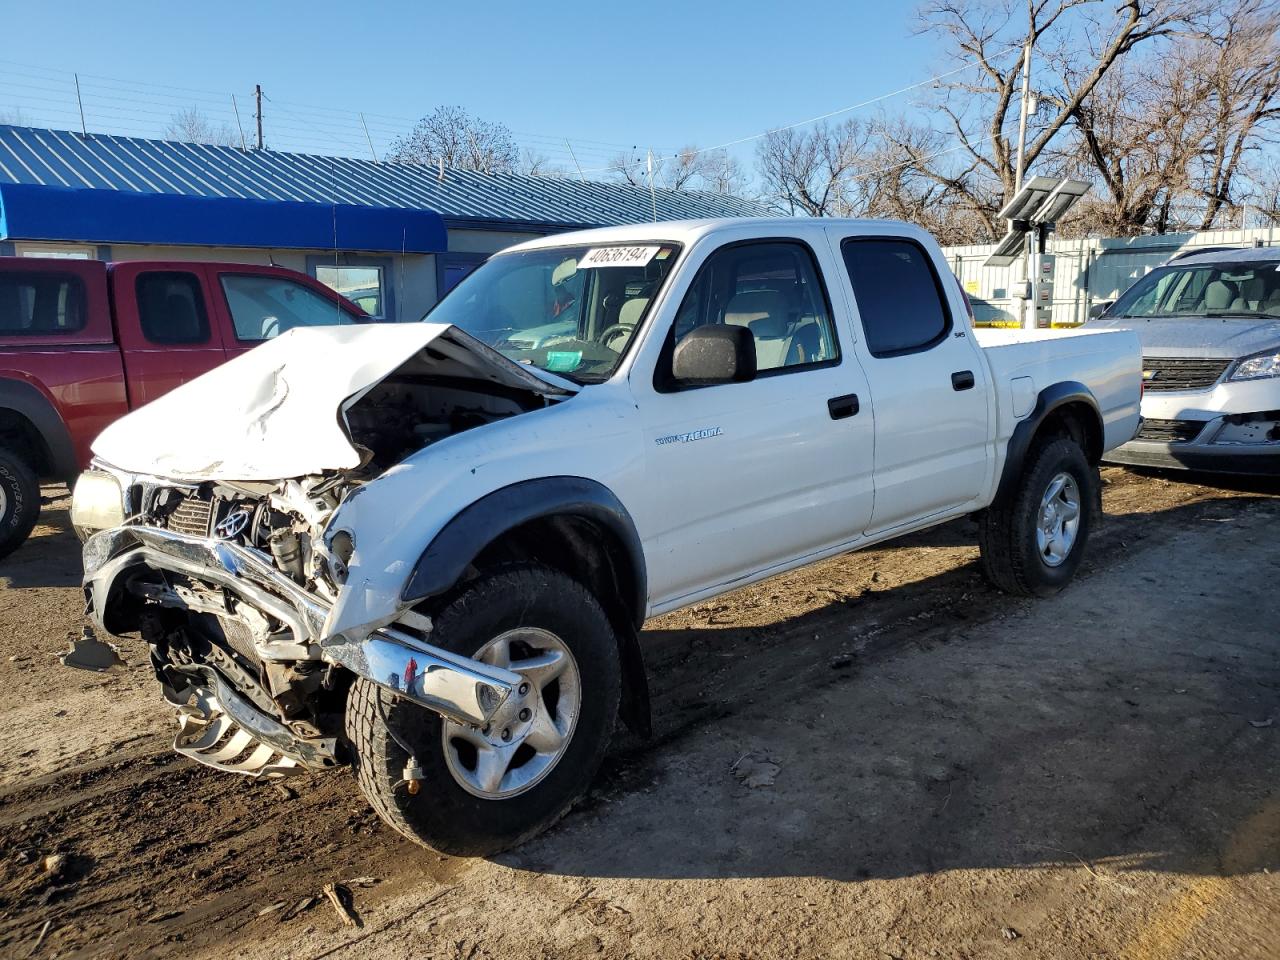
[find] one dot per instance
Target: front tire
(1033, 538)
(19, 501)
(482, 792)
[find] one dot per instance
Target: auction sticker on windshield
(616, 257)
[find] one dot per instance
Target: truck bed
(1107, 362)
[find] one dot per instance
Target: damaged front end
(231, 582)
(230, 587)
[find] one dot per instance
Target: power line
(139, 99)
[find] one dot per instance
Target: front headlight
(97, 503)
(1257, 367)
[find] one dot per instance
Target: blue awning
(42, 212)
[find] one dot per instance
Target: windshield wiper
(1239, 313)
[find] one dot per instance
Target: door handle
(962, 380)
(841, 407)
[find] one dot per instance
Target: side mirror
(1099, 308)
(718, 353)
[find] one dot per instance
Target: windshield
(1204, 290)
(569, 310)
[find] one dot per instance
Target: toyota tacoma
(426, 550)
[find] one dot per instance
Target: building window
(55, 251)
(363, 286)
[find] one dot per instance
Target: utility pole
(1022, 115)
(1033, 237)
(257, 94)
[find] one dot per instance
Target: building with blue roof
(392, 236)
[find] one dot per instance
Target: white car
(427, 549)
(1210, 330)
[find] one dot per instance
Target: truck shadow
(51, 557)
(947, 727)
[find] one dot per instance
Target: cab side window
(773, 289)
(899, 295)
(171, 308)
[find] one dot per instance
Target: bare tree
(1264, 188)
(723, 174)
(808, 171)
(1091, 35)
(1241, 60)
(14, 117)
(1136, 138)
(192, 126)
(913, 177)
(534, 163)
(1167, 136)
(690, 168)
(453, 137)
(629, 168)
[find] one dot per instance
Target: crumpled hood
(278, 411)
(1223, 338)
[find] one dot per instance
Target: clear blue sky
(603, 74)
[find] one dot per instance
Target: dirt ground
(879, 757)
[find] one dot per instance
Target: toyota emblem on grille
(231, 526)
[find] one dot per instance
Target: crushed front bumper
(456, 687)
(1240, 443)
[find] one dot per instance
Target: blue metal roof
(58, 158)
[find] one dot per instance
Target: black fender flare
(28, 402)
(461, 540)
(1051, 398)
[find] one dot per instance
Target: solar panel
(1010, 248)
(1061, 199)
(1028, 199)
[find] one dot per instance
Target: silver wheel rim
(532, 730)
(1058, 522)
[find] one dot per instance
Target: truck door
(165, 328)
(928, 381)
(749, 476)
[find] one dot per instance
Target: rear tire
(19, 501)
(458, 809)
(1033, 538)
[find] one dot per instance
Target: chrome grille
(1178, 373)
(1170, 431)
(191, 516)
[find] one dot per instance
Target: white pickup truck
(427, 549)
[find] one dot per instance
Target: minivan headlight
(97, 503)
(1257, 367)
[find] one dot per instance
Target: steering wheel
(613, 332)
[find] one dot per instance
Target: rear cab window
(900, 297)
(263, 307)
(41, 304)
(171, 308)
